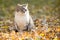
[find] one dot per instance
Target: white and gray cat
(23, 21)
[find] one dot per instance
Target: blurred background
(36, 7)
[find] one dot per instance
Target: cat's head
(22, 8)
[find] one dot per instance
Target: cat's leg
(31, 25)
(13, 27)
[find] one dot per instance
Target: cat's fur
(23, 21)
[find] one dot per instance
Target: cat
(23, 21)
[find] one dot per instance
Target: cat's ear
(25, 5)
(19, 5)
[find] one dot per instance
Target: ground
(45, 29)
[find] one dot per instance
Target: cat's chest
(21, 18)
